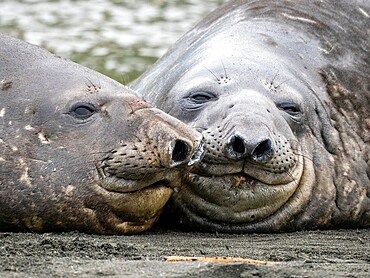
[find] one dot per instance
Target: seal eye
(196, 100)
(200, 97)
(291, 109)
(83, 110)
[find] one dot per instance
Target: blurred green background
(117, 38)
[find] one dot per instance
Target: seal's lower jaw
(218, 200)
(235, 198)
(135, 211)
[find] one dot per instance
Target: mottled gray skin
(79, 151)
(280, 90)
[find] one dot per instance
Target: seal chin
(136, 211)
(238, 197)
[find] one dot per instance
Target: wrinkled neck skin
(251, 67)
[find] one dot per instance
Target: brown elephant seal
(79, 151)
(280, 90)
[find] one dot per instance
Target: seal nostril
(263, 150)
(180, 151)
(238, 145)
(198, 154)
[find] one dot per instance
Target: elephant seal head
(279, 90)
(79, 151)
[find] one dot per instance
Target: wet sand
(336, 253)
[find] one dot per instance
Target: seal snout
(259, 149)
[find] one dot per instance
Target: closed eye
(292, 109)
(83, 110)
(201, 97)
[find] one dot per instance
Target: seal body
(280, 90)
(79, 151)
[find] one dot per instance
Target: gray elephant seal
(79, 151)
(280, 90)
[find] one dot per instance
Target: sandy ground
(339, 253)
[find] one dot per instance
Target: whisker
(293, 179)
(307, 157)
(91, 83)
(277, 86)
(276, 74)
(199, 128)
(291, 140)
(296, 151)
(223, 66)
(217, 79)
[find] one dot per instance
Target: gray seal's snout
(239, 147)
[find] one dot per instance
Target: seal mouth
(243, 174)
(114, 187)
(233, 196)
(120, 185)
(234, 179)
(131, 183)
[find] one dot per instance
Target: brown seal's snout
(140, 174)
(175, 142)
(161, 150)
(178, 144)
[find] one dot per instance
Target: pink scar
(140, 102)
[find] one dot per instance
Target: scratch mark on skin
(299, 18)
(43, 138)
(41, 135)
(239, 180)
(39, 160)
(14, 148)
(50, 166)
(29, 128)
(327, 51)
(364, 12)
(69, 191)
(367, 123)
(2, 113)
(25, 175)
(5, 84)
